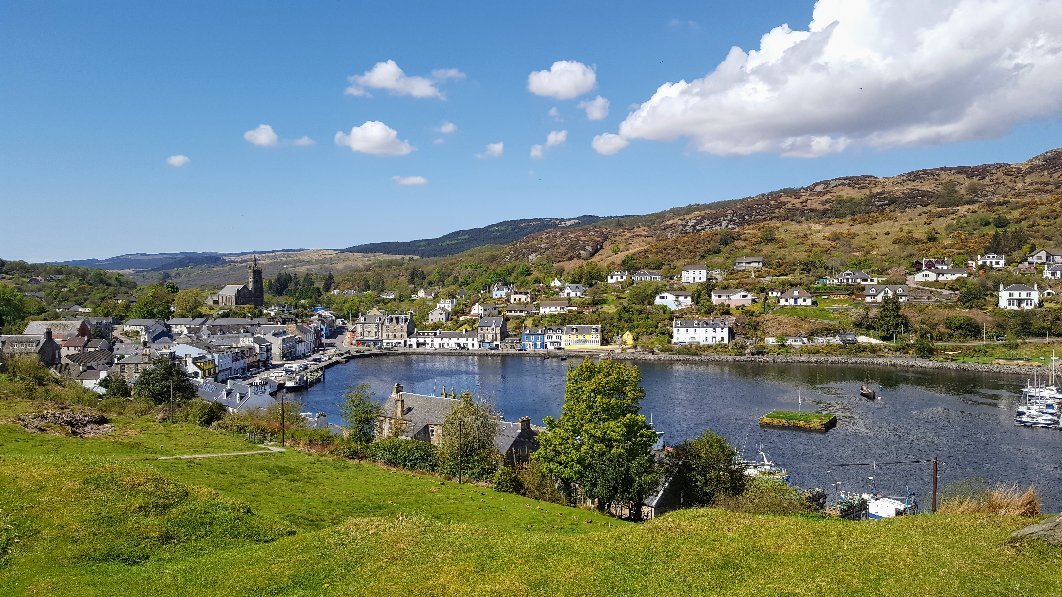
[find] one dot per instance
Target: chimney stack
(525, 424)
(400, 402)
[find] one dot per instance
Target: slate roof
(793, 293)
(60, 329)
(1019, 288)
(422, 410)
(142, 322)
(699, 323)
(92, 358)
(491, 322)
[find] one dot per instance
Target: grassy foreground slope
(104, 516)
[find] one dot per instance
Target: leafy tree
(116, 386)
(328, 283)
(706, 468)
(467, 445)
(12, 308)
(189, 302)
(923, 346)
(890, 319)
(153, 302)
(601, 445)
(643, 293)
(360, 412)
(164, 381)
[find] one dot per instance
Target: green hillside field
(106, 516)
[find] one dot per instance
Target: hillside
(104, 516)
(462, 240)
(887, 221)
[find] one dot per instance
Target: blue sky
(96, 98)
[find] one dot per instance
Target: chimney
(48, 334)
(525, 424)
(400, 402)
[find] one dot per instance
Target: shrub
(975, 497)
(349, 448)
(405, 453)
(198, 412)
(766, 496)
(538, 485)
(507, 480)
(310, 438)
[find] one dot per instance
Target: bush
(126, 406)
(507, 480)
(766, 496)
(349, 448)
(975, 497)
(536, 484)
(405, 453)
(310, 438)
(198, 412)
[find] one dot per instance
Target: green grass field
(105, 516)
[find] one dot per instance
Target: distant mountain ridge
(460, 241)
(157, 262)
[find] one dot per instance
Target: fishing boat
(764, 468)
(867, 392)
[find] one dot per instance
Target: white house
(618, 276)
(481, 310)
(1053, 271)
(449, 304)
(1019, 296)
(853, 278)
(747, 263)
(500, 291)
(557, 283)
(700, 331)
(443, 340)
(796, 297)
(439, 315)
(552, 307)
(992, 260)
(519, 310)
(877, 294)
(694, 274)
(573, 291)
(520, 296)
(940, 275)
(1045, 256)
(674, 299)
(732, 297)
(647, 275)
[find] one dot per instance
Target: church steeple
(254, 282)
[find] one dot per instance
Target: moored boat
(867, 393)
(764, 468)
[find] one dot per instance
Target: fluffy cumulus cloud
(446, 128)
(262, 135)
(553, 139)
(410, 181)
(178, 160)
(609, 143)
(566, 79)
(492, 150)
(388, 76)
(867, 73)
(374, 138)
(596, 109)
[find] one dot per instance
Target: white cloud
(555, 138)
(391, 78)
(375, 138)
(868, 73)
(446, 128)
(554, 113)
(439, 141)
(410, 180)
(263, 136)
(303, 141)
(596, 109)
(609, 143)
(536, 152)
(566, 79)
(493, 150)
(178, 160)
(684, 24)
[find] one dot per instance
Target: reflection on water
(963, 418)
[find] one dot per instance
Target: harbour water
(965, 419)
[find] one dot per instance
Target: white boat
(764, 468)
(1041, 403)
(879, 506)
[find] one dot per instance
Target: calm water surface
(963, 418)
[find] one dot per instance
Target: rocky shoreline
(823, 360)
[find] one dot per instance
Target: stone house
(491, 331)
(61, 330)
(43, 346)
(439, 315)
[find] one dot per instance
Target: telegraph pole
(282, 422)
(934, 484)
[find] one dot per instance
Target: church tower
(254, 283)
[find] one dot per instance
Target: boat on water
(764, 468)
(880, 506)
(868, 393)
(1041, 403)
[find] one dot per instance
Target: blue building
(544, 338)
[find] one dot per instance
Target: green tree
(466, 448)
(116, 386)
(164, 382)
(12, 308)
(923, 346)
(890, 319)
(153, 302)
(189, 302)
(601, 445)
(706, 468)
(360, 412)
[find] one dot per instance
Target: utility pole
(282, 422)
(934, 485)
